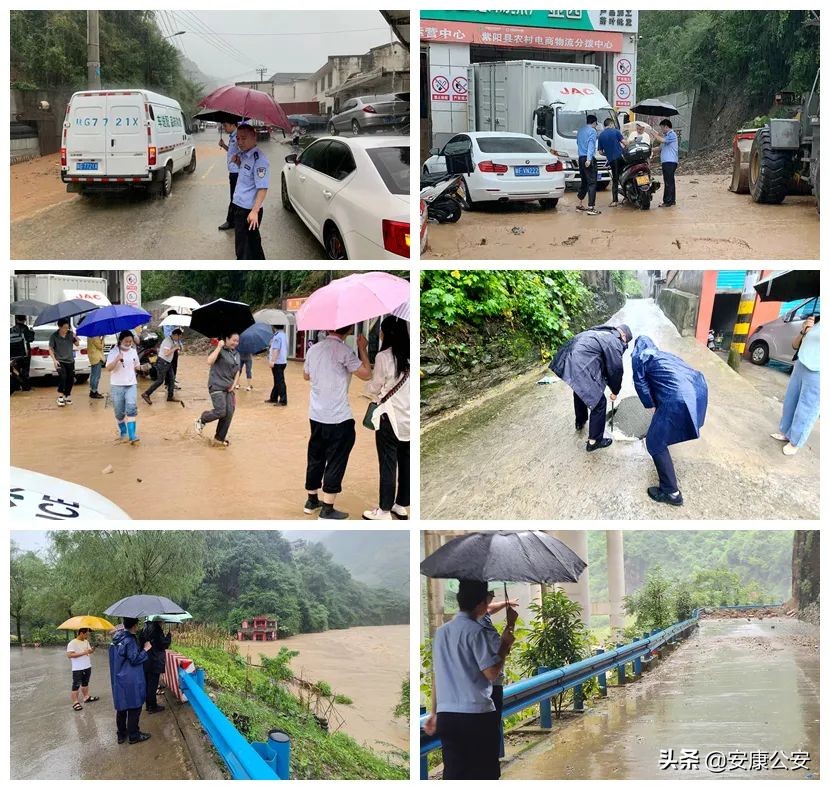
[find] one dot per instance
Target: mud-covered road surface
(174, 473)
(708, 222)
(49, 223)
(736, 686)
(517, 456)
(51, 741)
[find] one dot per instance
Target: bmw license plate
(642, 180)
(533, 170)
(86, 166)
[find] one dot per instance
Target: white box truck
(120, 140)
(549, 101)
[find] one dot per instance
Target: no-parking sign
(625, 79)
(132, 288)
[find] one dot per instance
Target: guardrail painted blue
(547, 683)
(243, 760)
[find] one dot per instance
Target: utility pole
(743, 321)
(261, 71)
(93, 55)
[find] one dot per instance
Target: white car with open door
(353, 195)
(501, 166)
(125, 139)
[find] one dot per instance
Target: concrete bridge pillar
(616, 577)
(435, 587)
(577, 540)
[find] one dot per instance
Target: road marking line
(207, 173)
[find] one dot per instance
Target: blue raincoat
(590, 361)
(677, 392)
(126, 672)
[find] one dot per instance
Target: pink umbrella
(352, 299)
(247, 103)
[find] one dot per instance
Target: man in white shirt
(164, 367)
(329, 365)
(78, 651)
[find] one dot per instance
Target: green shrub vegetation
(258, 700)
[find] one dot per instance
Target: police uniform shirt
(254, 173)
(233, 150)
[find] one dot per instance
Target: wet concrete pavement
(735, 686)
(49, 740)
(708, 222)
(537, 467)
(138, 226)
(174, 473)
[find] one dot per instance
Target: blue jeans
(247, 364)
(95, 376)
(124, 401)
(801, 405)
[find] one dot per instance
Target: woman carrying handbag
(388, 416)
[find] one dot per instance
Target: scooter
(444, 196)
(147, 350)
(636, 181)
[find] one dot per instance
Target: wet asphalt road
(537, 467)
(180, 227)
(49, 740)
(736, 686)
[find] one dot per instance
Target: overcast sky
(280, 41)
(31, 540)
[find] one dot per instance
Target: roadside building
(697, 301)
(451, 41)
(261, 628)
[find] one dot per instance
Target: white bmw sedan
(507, 166)
(353, 194)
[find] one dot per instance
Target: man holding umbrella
(127, 677)
(249, 195)
(233, 167)
(588, 363)
(464, 666)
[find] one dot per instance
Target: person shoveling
(588, 363)
(677, 395)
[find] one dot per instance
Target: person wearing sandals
(586, 143)
(224, 376)
(78, 651)
(802, 400)
(390, 388)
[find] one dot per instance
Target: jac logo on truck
(90, 297)
(577, 91)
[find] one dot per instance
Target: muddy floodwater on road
(173, 472)
(736, 686)
(708, 222)
(366, 664)
(49, 740)
(49, 223)
(537, 465)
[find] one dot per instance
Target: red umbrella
(247, 103)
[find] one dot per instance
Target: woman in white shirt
(122, 364)
(390, 390)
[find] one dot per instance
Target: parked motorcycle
(444, 196)
(637, 183)
(147, 350)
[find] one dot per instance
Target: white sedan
(353, 194)
(506, 166)
(42, 366)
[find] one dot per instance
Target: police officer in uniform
(249, 195)
(233, 167)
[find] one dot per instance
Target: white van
(118, 140)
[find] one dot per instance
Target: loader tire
(770, 170)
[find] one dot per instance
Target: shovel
(613, 411)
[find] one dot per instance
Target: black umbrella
(220, 317)
(220, 116)
(525, 556)
(655, 107)
(788, 285)
(67, 309)
(27, 307)
(143, 606)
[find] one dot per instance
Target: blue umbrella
(111, 320)
(67, 309)
(255, 338)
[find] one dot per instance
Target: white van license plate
(86, 166)
(527, 171)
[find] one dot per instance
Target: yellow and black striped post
(743, 321)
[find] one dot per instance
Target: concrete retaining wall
(681, 308)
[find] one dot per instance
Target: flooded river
(736, 686)
(366, 664)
